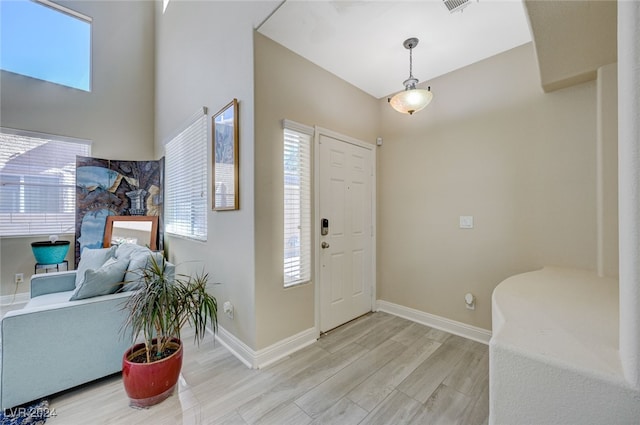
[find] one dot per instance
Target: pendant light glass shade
(411, 99)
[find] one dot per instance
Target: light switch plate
(466, 222)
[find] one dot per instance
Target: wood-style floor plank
(391, 327)
(445, 407)
(477, 412)
(470, 375)
(411, 333)
(308, 376)
(337, 386)
(382, 383)
(350, 332)
(396, 409)
(344, 412)
(427, 377)
(378, 369)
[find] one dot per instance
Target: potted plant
(157, 312)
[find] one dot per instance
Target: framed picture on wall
(225, 158)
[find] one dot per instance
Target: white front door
(346, 251)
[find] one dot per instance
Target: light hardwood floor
(378, 369)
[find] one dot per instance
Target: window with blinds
(37, 182)
(297, 203)
(186, 181)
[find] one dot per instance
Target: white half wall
(629, 192)
(554, 351)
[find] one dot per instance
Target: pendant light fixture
(411, 99)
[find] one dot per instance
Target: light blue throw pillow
(92, 259)
(103, 281)
(139, 260)
(126, 250)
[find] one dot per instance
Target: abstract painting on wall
(110, 187)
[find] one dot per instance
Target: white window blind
(37, 182)
(186, 180)
(297, 203)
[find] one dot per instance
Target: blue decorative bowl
(50, 252)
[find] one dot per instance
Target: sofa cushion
(103, 281)
(92, 259)
(126, 250)
(134, 277)
(48, 299)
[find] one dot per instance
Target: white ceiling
(361, 41)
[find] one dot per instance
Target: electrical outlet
(227, 307)
(19, 278)
(470, 301)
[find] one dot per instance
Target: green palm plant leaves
(163, 306)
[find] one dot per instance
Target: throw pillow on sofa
(92, 259)
(133, 279)
(102, 281)
(126, 250)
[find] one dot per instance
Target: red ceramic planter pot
(147, 384)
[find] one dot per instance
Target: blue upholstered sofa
(53, 344)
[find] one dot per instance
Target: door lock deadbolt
(324, 227)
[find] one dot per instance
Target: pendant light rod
(410, 63)
(410, 43)
(411, 99)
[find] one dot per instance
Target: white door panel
(345, 184)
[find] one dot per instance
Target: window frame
(304, 246)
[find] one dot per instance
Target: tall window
(297, 203)
(44, 40)
(186, 181)
(37, 182)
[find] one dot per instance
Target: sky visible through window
(45, 43)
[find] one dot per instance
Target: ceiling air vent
(456, 5)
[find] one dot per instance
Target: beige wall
(572, 39)
(607, 168)
(16, 257)
(288, 86)
(117, 116)
(493, 146)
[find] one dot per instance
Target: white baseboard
(266, 356)
(438, 322)
(281, 349)
(20, 298)
(235, 346)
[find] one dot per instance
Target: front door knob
(324, 245)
